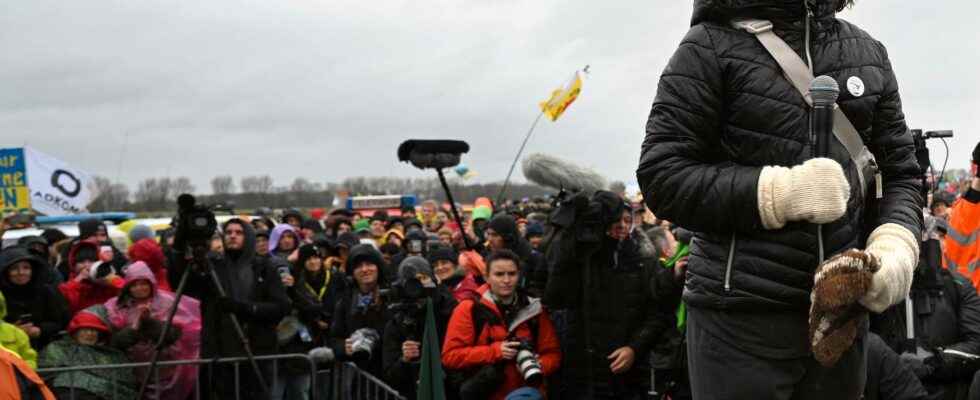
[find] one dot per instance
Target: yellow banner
(561, 98)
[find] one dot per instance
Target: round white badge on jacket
(856, 86)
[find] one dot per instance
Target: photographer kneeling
(403, 333)
(502, 341)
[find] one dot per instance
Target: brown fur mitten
(834, 311)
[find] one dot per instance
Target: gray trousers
(720, 371)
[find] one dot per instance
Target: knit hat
(364, 252)
(482, 212)
(505, 226)
(312, 225)
(380, 215)
(85, 319)
(53, 236)
(316, 214)
(410, 222)
(362, 225)
(292, 212)
(140, 232)
(348, 240)
(534, 229)
(307, 251)
(976, 153)
(440, 253)
(412, 266)
(89, 228)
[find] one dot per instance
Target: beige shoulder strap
(797, 73)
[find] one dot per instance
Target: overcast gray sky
(328, 89)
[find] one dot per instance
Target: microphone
(435, 154)
(824, 91)
(555, 173)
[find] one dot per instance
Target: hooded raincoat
(124, 314)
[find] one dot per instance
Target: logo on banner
(73, 182)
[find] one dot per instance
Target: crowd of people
(595, 304)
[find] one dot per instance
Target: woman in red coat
(512, 318)
(84, 288)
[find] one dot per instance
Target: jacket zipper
(729, 265)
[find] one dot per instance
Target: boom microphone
(555, 173)
(824, 91)
(436, 154)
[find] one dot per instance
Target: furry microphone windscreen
(555, 173)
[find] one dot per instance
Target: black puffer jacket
(723, 111)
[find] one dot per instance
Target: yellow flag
(561, 98)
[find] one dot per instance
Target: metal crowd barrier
(342, 381)
(239, 364)
(348, 382)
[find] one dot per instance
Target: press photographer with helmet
(403, 334)
(783, 213)
(608, 359)
(503, 340)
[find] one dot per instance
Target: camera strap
(800, 76)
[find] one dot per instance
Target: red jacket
(85, 293)
(463, 350)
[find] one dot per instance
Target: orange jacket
(463, 350)
(962, 249)
(10, 364)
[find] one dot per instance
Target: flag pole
(503, 189)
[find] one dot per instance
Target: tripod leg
(168, 324)
(241, 337)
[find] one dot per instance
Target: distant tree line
(251, 192)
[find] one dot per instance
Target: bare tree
(303, 185)
(256, 184)
(153, 193)
(223, 184)
(111, 196)
(180, 186)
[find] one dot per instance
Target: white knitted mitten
(815, 191)
(897, 251)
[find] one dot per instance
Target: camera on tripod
(195, 224)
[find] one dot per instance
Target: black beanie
(305, 252)
(611, 205)
(312, 225)
(88, 228)
(53, 236)
(976, 153)
(504, 225)
(440, 253)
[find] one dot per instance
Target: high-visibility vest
(962, 249)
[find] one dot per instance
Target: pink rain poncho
(124, 312)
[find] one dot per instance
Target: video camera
(194, 225)
(587, 216)
(404, 300)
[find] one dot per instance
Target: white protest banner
(57, 188)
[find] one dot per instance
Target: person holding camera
(729, 153)
(403, 333)
(961, 245)
(92, 280)
(502, 341)
(361, 315)
(612, 328)
(253, 293)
